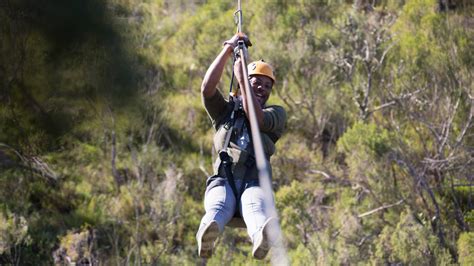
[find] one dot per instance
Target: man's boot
(206, 236)
(262, 242)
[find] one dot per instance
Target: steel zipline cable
(279, 255)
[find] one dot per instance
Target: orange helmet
(260, 68)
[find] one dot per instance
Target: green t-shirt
(219, 110)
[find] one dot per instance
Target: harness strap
(226, 161)
(226, 164)
(229, 126)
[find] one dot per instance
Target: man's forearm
(214, 73)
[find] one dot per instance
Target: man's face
(262, 87)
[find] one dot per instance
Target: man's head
(261, 80)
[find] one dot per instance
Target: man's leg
(258, 225)
(219, 203)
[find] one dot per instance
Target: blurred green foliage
(105, 146)
(465, 245)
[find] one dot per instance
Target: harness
(234, 126)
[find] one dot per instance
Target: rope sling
(236, 116)
(255, 137)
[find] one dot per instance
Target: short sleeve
(274, 120)
(216, 107)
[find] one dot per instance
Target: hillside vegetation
(105, 146)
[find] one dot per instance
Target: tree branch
(381, 208)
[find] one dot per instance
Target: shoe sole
(262, 249)
(264, 246)
(206, 245)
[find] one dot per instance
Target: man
(224, 198)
